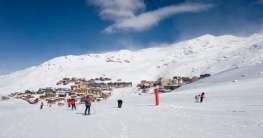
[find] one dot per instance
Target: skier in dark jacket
(88, 100)
(120, 103)
(41, 105)
(202, 97)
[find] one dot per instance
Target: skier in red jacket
(73, 104)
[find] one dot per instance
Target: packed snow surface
(232, 109)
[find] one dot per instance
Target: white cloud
(116, 10)
(125, 13)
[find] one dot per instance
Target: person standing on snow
(88, 100)
(197, 98)
(120, 103)
(73, 104)
(202, 97)
(68, 101)
(41, 105)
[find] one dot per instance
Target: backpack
(88, 100)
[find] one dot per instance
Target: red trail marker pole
(157, 96)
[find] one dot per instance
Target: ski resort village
(131, 69)
(98, 88)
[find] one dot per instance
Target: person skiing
(120, 103)
(197, 98)
(202, 97)
(68, 101)
(73, 104)
(41, 105)
(87, 101)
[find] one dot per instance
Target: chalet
(204, 76)
(120, 84)
(21, 95)
(32, 100)
(29, 92)
(164, 81)
(195, 78)
(187, 80)
(95, 92)
(180, 82)
(50, 94)
(62, 95)
(63, 90)
(105, 95)
(171, 87)
(51, 100)
(54, 100)
(145, 84)
(81, 88)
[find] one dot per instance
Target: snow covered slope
(231, 110)
(205, 54)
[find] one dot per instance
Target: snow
(232, 109)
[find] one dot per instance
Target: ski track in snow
(138, 118)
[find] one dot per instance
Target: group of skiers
(200, 97)
(87, 100)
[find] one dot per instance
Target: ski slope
(233, 109)
(204, 54)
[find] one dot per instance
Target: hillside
(205, 54)
(231, 109)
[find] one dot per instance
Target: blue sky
(33, 31)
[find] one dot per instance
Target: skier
(73, 104)
(41, 105)
(120, 103)
(197, 98)
(88, 100)
(202, 97)
(68, 101)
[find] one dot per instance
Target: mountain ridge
(204, 54)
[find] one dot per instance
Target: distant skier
(41, 105)
(120, 103)
(68, 101)
(88, 100)
(202, 97)
(197, 98)
(73, 104)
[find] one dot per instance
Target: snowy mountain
(231, 109)
(232, 106)
(205, 54)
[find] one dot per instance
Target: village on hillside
(99, 88)
(169, 84)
